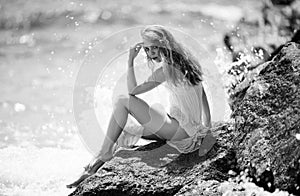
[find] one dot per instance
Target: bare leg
(151, 118)
(207, 143)
(115, 127)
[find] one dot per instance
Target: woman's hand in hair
(133, 52)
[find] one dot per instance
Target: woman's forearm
(207, 118)
(206, 110)
(131, 80)
(142, 88)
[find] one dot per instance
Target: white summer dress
(186, 107)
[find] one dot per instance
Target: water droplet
(230, 172)
(106, 15)
(19, 107)
(23, 39)
(61, 129)
(269, 184)
(71, 74)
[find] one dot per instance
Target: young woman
(182, 127)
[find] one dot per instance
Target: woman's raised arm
(131, 80)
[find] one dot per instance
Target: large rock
(266, 108)
(158, 169)
(267, 119)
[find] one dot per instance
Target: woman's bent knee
(121, 100)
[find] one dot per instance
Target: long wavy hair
(181, 65)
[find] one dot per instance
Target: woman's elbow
(133, 93)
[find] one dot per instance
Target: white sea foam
(40, 171)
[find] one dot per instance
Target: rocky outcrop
(260, 147)
(158, 169)
(266, 110)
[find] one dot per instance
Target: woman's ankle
(104, 157)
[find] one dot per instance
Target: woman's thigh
(154, 119)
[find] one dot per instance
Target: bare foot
(93, 168)
(207, 143)
(89, 170)
(77, 182)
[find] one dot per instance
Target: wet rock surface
(266, 112)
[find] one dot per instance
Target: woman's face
(152, 50)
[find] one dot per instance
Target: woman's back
(186, 106)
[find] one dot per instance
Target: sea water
(41, 160)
